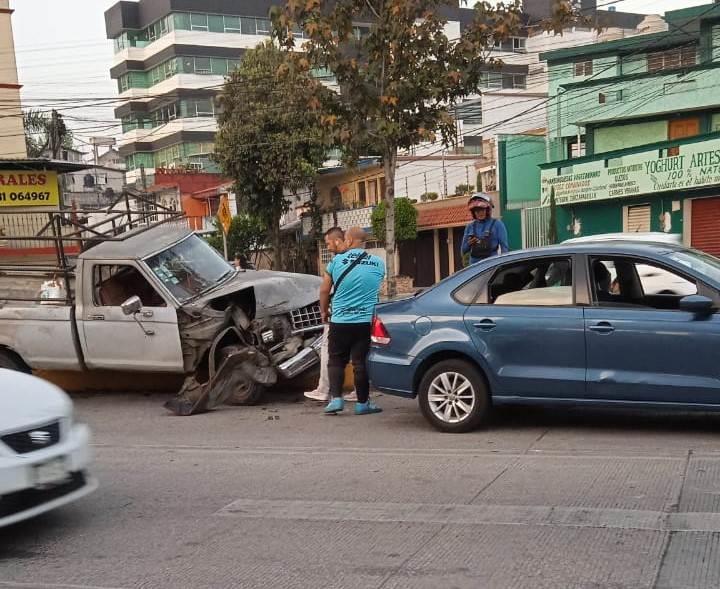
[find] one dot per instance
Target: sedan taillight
(379, 335)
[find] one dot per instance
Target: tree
(461, 189)
(426, 196)
(400, 77)
(552, 233)
(247, 235)
(269, 140)
(45, 132)
(405, 220)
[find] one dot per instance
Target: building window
(518, 81)
(519, 44)
(672, 59)
(611, 97)
(491, 80)
(264, 26)
(232, 24)
(199, 22)
(583, 68)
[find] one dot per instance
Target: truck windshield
(189, 268)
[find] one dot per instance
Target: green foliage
(552, 233)
(247, 234)
(270, 141)
(461, 189)
(44, 132)
(401, 76)
(405, 220)
(426, 196)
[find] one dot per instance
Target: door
(529, 330)
(425, 259)
(681, 128)
(640, 346)
(443, 253)
(112, 340)
(457, 238)
(638, 219)
(705, 225)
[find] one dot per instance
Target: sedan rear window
(537, 282)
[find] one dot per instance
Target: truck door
(112, 340)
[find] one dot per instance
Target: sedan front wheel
(453, 396)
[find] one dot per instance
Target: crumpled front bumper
(302, 361)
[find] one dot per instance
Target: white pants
(324, 383)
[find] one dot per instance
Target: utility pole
(445, 189)
(54, 134)
(467, 178)
(407, 192)
(425, 175)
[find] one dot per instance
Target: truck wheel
(11, 361)
(453, 396)
(247, 393)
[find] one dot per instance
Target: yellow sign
(22, 188)
(223, 214)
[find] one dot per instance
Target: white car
(44, 454)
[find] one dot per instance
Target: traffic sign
(224, 215)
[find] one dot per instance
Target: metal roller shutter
(638, 219)
(706, 225)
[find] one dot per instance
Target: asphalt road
(281, 496)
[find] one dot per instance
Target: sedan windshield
(699, 262)
(189, 268)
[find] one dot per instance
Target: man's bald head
(356, 236)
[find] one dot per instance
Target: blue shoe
(366, 408)
(335, 405)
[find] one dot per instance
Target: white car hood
(26, 400)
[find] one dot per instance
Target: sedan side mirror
(132, 306)
(697, 304)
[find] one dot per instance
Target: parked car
(548, 326)
(44, 453)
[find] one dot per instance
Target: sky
(64, 58)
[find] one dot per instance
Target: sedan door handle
(602, 327)
(485, 325)
(96, 317)
(147, 314)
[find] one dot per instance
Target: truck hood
(275, 292)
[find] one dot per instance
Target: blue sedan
(604, 323)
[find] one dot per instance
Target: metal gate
(535, 224)
(706, 225)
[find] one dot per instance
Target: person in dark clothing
(356, 277)
(484, 236)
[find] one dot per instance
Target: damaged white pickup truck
(160, 299)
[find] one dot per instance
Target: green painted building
(633, 139)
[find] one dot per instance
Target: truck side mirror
(132, 306)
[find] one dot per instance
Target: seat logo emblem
(39, 437)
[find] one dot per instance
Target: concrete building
(646, 114)
(12, 134)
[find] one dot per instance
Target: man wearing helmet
(484, 236)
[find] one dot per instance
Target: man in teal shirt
(354, 278)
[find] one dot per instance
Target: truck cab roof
(137, 244)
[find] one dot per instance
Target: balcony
(361, 217)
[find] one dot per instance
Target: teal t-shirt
(355, 300)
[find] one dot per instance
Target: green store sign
(688, 166)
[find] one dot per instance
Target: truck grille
(33, 439)
(306, 317)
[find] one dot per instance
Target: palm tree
(45, 132)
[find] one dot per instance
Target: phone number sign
(20, 188)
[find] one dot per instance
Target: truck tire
(249, 393)
(11, 361)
